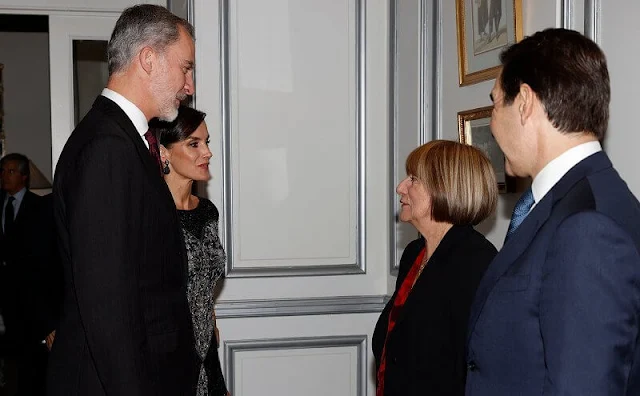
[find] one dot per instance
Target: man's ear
(527, 99)
(147, 59)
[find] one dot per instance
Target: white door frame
(63, 30)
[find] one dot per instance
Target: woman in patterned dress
(185, 158)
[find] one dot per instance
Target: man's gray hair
(140, 26)
(23, 164)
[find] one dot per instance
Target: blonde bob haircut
(458, 177)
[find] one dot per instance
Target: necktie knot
(151, 138)
(521, 210)
(153, 148)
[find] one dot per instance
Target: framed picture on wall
(474, 129)
(485, 28)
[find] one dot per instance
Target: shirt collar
(132, 111)
(17, 197)
(559, 166)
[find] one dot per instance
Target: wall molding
(393, 139)
(357, 341)
(591, 17)
(430, 81)
(359, 267)
(429, 94)
(566, 14)
(301, 307)
(592, 11)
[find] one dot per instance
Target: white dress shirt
(559, 166)
(132, 111)
(18, 197)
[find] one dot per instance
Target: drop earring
(165, 168)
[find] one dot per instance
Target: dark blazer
(558, 311)
(125, 327)
(28, 294)
(425, 350)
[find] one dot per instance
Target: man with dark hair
(125, 327)
(558, 310)
(28, 285)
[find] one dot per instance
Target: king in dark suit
(125, 327)
(558, 310)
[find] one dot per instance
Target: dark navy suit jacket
(558, 310)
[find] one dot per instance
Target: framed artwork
(474, 129)
(485, 28)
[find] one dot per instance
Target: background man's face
(11, 180)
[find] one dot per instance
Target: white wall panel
(214, 90)
(619, 27)
(299, 355)
(293, 109)
(258, 366)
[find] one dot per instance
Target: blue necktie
(520, 212)
(9, 215)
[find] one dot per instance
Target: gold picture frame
(474, 129)
(485, 28)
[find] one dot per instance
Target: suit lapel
(27, 201)
(521, 239)
(112, 110)
(25, 206)
(516, 245)
(439, 258)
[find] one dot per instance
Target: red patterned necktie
(153, 148)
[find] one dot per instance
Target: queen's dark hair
(168, 133)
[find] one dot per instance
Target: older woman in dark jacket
(419, 339)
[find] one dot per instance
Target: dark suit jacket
(425, 350)
(558, 311)
(125, 327)
(28, 286)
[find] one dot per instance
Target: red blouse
(399, 301)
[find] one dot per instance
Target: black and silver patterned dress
(206, 265)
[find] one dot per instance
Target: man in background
(558, 310)
(125, 327)
(29, 280)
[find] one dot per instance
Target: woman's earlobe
(164, 153)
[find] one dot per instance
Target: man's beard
(167, 110)
(168, 114)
